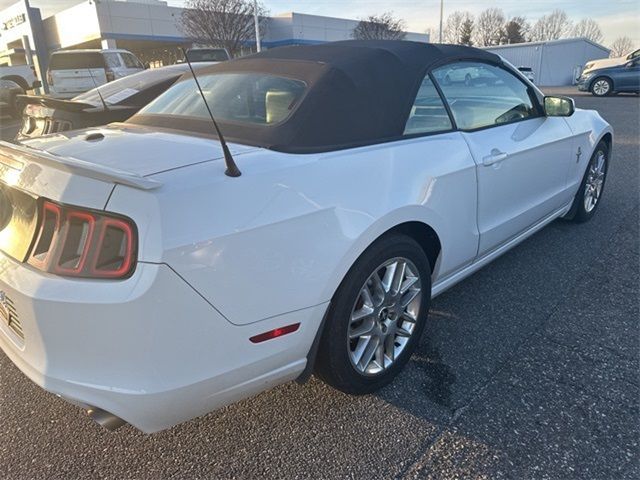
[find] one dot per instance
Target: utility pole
(441, 14)
(257, 23)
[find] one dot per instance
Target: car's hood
(138, 150)
(603, 63)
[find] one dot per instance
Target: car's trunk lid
(82, 169)
(134, 149)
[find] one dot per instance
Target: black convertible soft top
(359, 92)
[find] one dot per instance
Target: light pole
(257, 23)
(441, 13)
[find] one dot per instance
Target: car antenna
(232, 169)
(95, 84)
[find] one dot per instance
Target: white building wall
(14, 24)
(554, 63)
(148, 20)
(22, 37)
(561, 61)
(299, 28)
(73, 26)
(280, 26)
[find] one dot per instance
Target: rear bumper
(149, 349)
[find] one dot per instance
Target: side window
(130, 61)
(428, 113)
(482, 95)
(112, 60)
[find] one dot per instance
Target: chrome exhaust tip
(105, 419)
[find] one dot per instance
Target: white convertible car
(149, 277)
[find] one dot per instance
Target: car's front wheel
(601, 87)
(376, 317)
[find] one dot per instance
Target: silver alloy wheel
(384, 316)
(601, 87)
(595, 181)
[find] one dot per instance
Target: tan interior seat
(277, 105)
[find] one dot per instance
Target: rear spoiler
(17, 156)
(49, 102)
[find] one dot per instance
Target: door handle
(495, 157)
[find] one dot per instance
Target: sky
(615, 17)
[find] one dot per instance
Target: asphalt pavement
(528, 369)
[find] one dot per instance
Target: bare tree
(588, 28)
(380, 27)
(454, 26)
(488, 27)
(621, 46)
(516, 30)
(552, 27)
(222, 23)
(466, 34)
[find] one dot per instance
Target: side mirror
(559, 106)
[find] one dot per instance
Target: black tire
(15, 111)
(604, 81)
(21, 82)
(334, 364)
(578, 212)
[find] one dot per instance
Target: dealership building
(554, 62)
(149, 28)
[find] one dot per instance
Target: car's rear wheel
(589, 194)
(601, 87)
(376, 317)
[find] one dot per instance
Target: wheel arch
(21, 82)
(422, 233)
(410, 221)
(608, 139)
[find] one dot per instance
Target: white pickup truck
(23, 75)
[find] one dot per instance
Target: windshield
(122, 90)
(208, 55)
(634, 54)
(253, 98)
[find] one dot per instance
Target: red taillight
(275, 333)
(83, 243)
